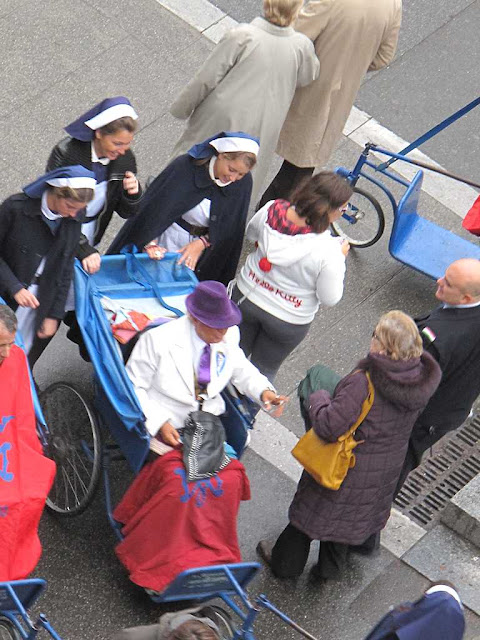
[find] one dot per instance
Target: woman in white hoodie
(296, 266)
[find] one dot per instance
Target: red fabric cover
(171, 526)
(26, 475)
(471, 222)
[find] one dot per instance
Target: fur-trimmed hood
(405, 383)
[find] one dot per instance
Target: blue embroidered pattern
(6, 446)
(4, 422)
(200, 488)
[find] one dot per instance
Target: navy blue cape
(177, 189)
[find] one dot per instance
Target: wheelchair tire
(8, 631)
(223, 620)
(368, 224)
(74, 443)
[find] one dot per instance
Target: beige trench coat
(351, 37)
(247, 84)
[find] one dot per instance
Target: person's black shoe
(264, 550)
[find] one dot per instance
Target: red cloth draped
(172, 525)
(26, 475)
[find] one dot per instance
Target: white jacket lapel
(182, 354)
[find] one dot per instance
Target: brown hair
(249, 159)
(316, 197)
(281, 12)
(67, 193)
(194, 630)
(398, 335)
(126, 123)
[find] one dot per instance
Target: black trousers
(290, 555)
(422, 438)
(286, 180)
(38, 347)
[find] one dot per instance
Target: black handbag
(203, 438)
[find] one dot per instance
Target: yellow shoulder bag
(329, 462)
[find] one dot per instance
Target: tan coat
(351, 37)
(247, 84)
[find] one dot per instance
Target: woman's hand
(130, 183)
(345, 247)
(191, 253)
(271, 400)
(155, 252)
(91, 263)
(48, 328)
(25, 298)
(170, 435)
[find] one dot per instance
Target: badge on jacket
(220, 362)
(428, 335)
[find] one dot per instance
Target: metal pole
(433, 132)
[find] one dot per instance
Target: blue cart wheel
(363, 223)
(8, 631)
(74, 443)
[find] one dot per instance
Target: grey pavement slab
(41, 49)
(148, 23)
(462, 513)
(442, 555)
(429, 83)
(243, 11)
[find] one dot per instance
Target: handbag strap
(366, 406)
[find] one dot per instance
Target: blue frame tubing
(227, 583)
(18, 610)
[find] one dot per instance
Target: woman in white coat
(297, 266)
(248, 82)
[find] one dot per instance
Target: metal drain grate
(455, 462)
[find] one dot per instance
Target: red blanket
(26, 475)
(172, 525)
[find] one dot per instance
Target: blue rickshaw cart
(75, 439)
(75, 425)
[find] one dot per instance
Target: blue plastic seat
(422, 244)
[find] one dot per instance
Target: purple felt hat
(210, 304)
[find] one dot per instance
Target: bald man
(451, 334)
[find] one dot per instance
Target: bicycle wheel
(74, 443)
(8, 631)
(363, 223)
(222, 619)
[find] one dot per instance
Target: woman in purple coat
(404, 377)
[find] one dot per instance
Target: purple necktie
(203, 376)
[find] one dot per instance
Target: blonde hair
(399, 336)
(281, 12)
(67, 193)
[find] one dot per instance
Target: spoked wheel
(8, 631)
(74, 443)
(363, 223)
(223, 620)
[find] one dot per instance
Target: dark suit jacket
(180, 187)
(456, 347)
(24, 240)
